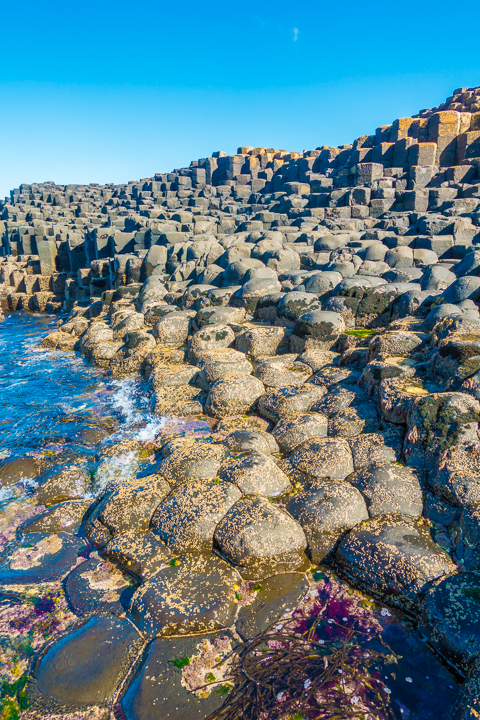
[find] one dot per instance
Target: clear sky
(103, 91)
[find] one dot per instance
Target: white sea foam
(129, 399)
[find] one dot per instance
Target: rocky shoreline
(315, 320)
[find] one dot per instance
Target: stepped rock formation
(321, 311)
(416, 179)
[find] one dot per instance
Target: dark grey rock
(455, 476)
(261, 341)
(284, 402)
(233, 394)
(325, 509)
(157, 692)
(295, 304)
(290, 433)
(131, 506)
(257, 440)
(449, 617)
(393, 556)
(41, 558)
(281, 371)
(323, 458)
(194, 596)
(438, 422)
(62, 483)
(140, 554)
(470, 527)
(323, 326)
(255, 473)
(256, 535)
(439, 511)
(464, 288)
(369, 448)
(187, 519)
(77, 672)
(99, 587)
(194, 462)
(66, 517)
(353, 421)
(389, 488)
(219, 316)
(274, 597)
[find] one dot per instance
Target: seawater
(56, 405)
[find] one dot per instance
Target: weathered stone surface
(470, 527)
(65, 517)
(98, 587)
(196, 461)
(234, 394)
(62, 483)
(322, 458)
(353, 421)
(194, 596)
(14, 470)
(274, 596)
(389, 488)
(369, 448)
(284, 402)
(255, 473)
(77, 672)
(436, 423)
(455, 476)
(277, 373)
(325, 509)
(209, 338)
(302, 427)
(140, 554)
(158, 689)
(40, 558)
(450, 617)
(184, 400)
(132, 505)
(468, 701)
(244, 440)
(393, 556)
(255, 534)
(261, 341)
(187, 519)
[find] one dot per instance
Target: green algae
(361, 333)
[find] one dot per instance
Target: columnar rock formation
(320, 309)
(416, 179)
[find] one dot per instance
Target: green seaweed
(181, 663)
(13, 698)
(361, 332)
(473, 593)
(224, 689)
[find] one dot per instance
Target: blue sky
(115, 91)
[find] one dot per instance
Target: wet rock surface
(77, 672)
(394, 556)
(158, 689)
(193, 594)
